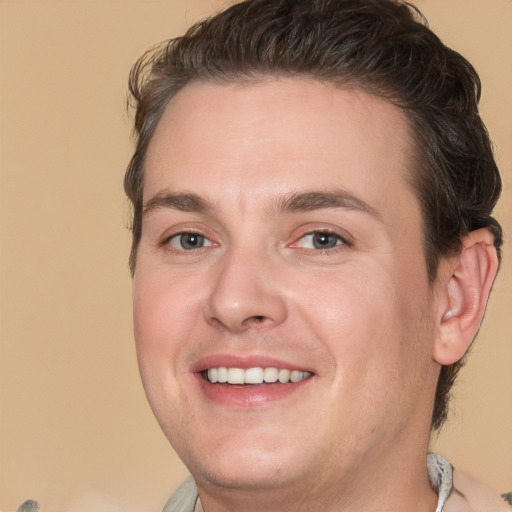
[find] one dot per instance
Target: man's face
(281, 235)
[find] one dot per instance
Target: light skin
(280, 230)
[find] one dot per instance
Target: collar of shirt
(440, 474)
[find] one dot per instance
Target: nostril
(255, 319)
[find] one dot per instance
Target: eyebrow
(293, 203)
(185, 202)
(319, 200)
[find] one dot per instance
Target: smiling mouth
(258, 375)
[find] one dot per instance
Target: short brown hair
(381, 46)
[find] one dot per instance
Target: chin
(248, 466)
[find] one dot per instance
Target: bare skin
(280, 231)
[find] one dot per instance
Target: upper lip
(245, 362)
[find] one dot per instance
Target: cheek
(348, 307)
(163, 325)
(163, 318)
(366, 319)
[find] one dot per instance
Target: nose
(245, 294)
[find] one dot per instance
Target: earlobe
(466, 291)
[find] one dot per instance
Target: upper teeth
(255, 375)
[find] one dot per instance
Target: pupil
(191, 241)
(324, 240)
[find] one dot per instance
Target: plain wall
(75, 430)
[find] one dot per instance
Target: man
(313, 249)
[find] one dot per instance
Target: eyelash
(168, 241)
(341, 241)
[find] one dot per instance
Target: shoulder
(469, 495)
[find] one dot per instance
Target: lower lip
(248, 396)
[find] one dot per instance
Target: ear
(466, 285)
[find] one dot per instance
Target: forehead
(279, 135)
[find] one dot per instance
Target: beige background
(75, 430)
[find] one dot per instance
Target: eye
(320, 240)
(189, 241)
